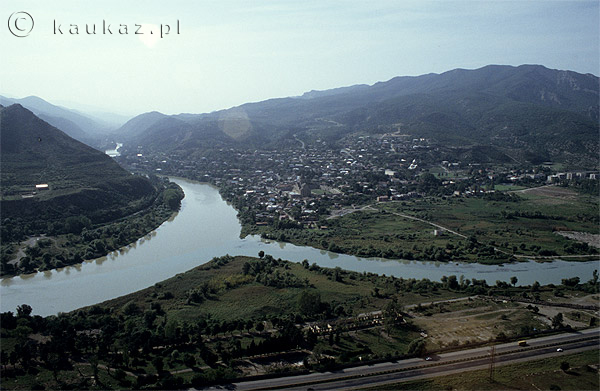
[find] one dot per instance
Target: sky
(227, 52)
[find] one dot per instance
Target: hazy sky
(232, 52)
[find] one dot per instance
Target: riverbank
(86, 241)
(473, 230)
(206, 227)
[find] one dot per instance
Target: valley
(395, 224)
(430, 165)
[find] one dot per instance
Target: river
(114, 152)
(206, 227)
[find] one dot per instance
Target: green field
(495, 228)
(241, 296)
(523, 227)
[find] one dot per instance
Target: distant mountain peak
(334, 91)
(73, 123)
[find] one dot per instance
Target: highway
(446, 363)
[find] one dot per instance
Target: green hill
(80, 179)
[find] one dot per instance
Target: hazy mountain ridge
(334, 91)
(81, 179)
(137, 125)
(547, 113)
(75, 124)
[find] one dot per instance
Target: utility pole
(492, 361)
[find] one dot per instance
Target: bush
(76, 224)
(417, 347)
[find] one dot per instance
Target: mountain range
(79, 126)
(541, 113)
(528, 111)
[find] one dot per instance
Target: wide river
(206, 227)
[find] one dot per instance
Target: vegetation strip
(429, 365)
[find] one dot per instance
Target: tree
(172, 330)
(452, 282)
(189, 360)
(570, 282)
(209, 357)
(428, 183)
(119, 375)
(557, 320)
(246, 268)
(172, 199)
(564, 366)
(24, 310)
(376, 292)
(260, 326)
(8, 320)
(337, 274)
(76, 224)
(417, 347)
(261, 254)
(514, 280)
(157, 362)
(392, 314)
(309, 303)
(131, 309)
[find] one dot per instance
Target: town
(304, 185)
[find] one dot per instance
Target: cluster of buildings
(299, 184)
(304, 183)
(569, 176)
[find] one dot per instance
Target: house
(306, 191)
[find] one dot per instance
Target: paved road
(389, 372)
(453, 368)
